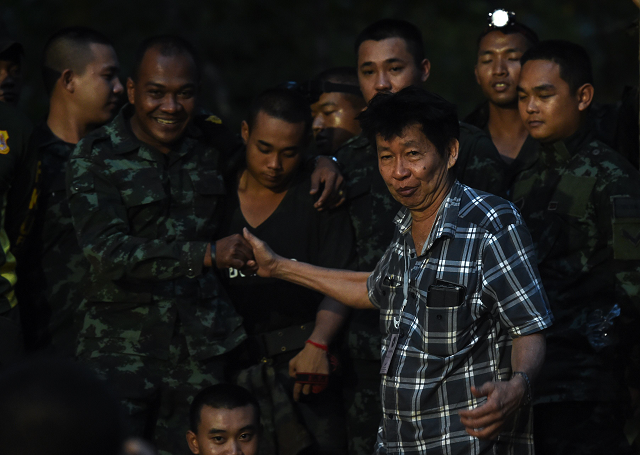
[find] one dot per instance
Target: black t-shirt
(295, 230)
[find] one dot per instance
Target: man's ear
(192, 441)
(244, 131)
(425, 69)
(68, 80)
(131, 90)
(453, 148)
(585, 96)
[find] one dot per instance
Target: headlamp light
(501, 18)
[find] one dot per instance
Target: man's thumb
(484, 390)
(249, 237)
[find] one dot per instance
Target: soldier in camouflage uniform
(17, 170)
(81, 77)
(144, 193)
(390, 57)
(581, 202)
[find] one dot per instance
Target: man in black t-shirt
(269, 195)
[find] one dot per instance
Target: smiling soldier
(144, 194)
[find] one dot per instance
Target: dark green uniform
(372, 210)
(156, 323)
(52, 267)
(581, 202)
(17, 170)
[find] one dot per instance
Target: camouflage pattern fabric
(156, 393)
(581, 202)
(143, 220)
(372, 210)
(52, 267)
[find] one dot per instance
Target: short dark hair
(58, 407)
(516, 27)
(394, 28)
(281, 103)
(168, 46)
(69, 48)
(221, 396)
(388, 114)
(347, 75)
(573, 60)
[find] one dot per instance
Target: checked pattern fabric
(480, 245)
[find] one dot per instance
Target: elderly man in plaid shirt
(460, 299)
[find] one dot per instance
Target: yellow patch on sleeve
(214, 119)
(4, 142)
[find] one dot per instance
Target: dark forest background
(250, 45)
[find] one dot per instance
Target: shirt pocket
(146, 202)
(448, 330)
(208, 187)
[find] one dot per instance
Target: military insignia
(4, 145)
(214, 119)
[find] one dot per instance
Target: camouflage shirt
(17, 171)
(373, 209)
(143, 220)
(581, 201)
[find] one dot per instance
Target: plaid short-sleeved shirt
(474, 288)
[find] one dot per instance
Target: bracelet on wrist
(528, 393)
(324, 347)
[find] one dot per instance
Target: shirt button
(190, 272)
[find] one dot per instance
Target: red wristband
(324, 347)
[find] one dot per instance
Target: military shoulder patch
(214, 119)
(4, 142)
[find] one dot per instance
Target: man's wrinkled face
(412, 168)
(97, 89)
(549, 110)
(498, 66)
(10, 79)
(334, 121)
(274, 150)
(164, 98)
(387, 66)
(226, 432)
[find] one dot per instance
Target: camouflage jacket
(372, 210)
(581, 202)
(17, 171)
(143, 220)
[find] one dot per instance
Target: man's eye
(218, 439)
(329, 112)
(486, 61)
(155, 93)
(186, 94)
(246, 437)
(385, 157)
(522, 96)
(397, 69)
(265, 151)
(366, 72)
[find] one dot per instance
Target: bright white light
(500, 18)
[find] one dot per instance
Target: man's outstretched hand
(266, 261)
(327, 174)
(503, 398)
(235, 252)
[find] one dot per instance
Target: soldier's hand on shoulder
(235, 252)
(328, 174)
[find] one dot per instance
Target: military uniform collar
(565, 149)
(125, 141)
(358, 141)
(44, 137)
(446, 222)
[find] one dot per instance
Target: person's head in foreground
(224, 419)
(11, 56)
(555, 89)
(416, 134)
(276, 132)
(56, 407)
